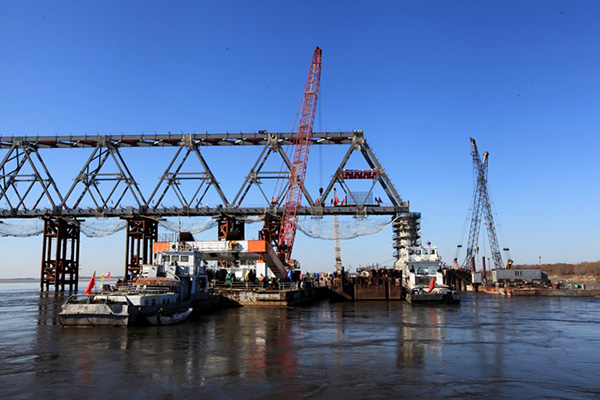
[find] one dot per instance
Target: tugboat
(423, 276)
(166, 292)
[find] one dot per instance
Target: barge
(162, 295)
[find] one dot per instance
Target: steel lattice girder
(107, 147)
(164, 140)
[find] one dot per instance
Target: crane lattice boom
(302, 139)
(481, 205)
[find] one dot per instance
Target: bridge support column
(229, 228)
(406, 231)
(60, 254)
(141, 235)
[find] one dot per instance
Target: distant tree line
(584, 268)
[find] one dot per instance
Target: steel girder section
(347, 190)
(60, 255)
(141, 235)
(90, 176)
(171, 180)
(124, 212)
(19, 155)
(256, 174)
(360, 143)
(254, 177)
(334, 179)
(166, 140)
(382, 177)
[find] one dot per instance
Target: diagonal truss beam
(14, 180)
(256, 175)
(360, 143)
(171, 180)
(91, 176)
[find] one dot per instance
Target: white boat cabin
(419, 265)
(186, 266)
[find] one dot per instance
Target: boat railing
(132, 288)
(147, 290)
(97, 298)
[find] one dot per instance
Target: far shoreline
(25, 280)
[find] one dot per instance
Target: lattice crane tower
(481, 205)
(301, 140)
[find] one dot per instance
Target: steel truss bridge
(28, 189)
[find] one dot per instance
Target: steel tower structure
(481, 205)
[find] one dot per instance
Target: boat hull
(169, 319)
(93, 315)
(119, 311)
(433, 298)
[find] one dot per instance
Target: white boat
(175, 284)
(172, 318)
(423, 276)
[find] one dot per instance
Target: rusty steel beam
(141, 235)
(60, 255)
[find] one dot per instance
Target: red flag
(431, 285)
(91, 285)
(108, 277)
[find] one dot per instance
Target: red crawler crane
(302, 138)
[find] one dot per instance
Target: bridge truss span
(105, 186)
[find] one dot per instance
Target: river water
(488, 346)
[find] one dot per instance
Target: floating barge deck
(284, 297)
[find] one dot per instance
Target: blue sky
(419, 77)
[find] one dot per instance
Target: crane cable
(469, 216)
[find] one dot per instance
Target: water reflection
(49, 305)
(508, 347)
(420, 335)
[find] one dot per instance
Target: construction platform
(374, 285)
(266, 297)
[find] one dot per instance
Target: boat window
(425, 251)
(174, 258)
(432, 251)
(184, 258)
(418, 252)
(166, 258)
